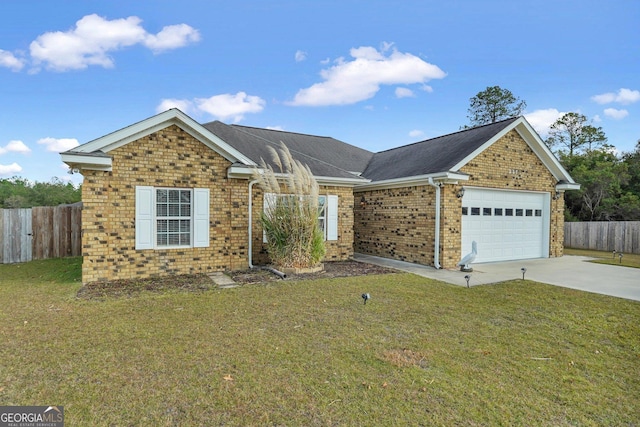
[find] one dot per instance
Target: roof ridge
(282, 131)
(291, 150)
(448, 134)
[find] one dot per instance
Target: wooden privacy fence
(40, 233)
(621, 236)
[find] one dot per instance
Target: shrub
(290, 215)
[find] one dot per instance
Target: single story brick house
(168, 195)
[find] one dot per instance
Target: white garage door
(507, 225)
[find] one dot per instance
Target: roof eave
(448, 177)
(533, 140)
(564, 186)
(246, 172)
(158, 122)
(544, 153)
(80, 161)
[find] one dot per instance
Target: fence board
(621, 236)
(16, 235)
(52, 232)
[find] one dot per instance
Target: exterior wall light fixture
(460, 193)
(363, 202)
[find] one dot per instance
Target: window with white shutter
(171, 217)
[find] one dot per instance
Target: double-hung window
(171, 217)
(322, 214)
(327, 213)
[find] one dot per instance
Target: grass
(420, 352)
(628, 260)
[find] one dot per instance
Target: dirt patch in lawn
(201, 282)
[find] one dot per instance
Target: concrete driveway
(568, 271)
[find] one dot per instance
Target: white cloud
(624, 97)
(615, 114)
(300, 56)
(10, 61)
(11, 169)
(541, 120)
(223, 107)
(416, 133)
(94, 38)
(230, 107)
(58, 145)
(183, 105)
(349, 82)
(15, 146)
(403, 92)
(597, 118)
(172, 37)
(275, 127)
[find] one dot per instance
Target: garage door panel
(508, 224)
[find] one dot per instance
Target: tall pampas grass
(290, 215)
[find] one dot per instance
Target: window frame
(146, 218)
(169, 218)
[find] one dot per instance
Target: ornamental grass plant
(290, 215)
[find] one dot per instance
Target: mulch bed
(201, 282)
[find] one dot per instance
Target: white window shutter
(332, 217)
(268, 200)
(144, 217)
(201, 218)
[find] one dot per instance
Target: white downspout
(251, 183)
(436, 249)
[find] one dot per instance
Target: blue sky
(376, 74)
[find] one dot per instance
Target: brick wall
(399, 223)
(396, 223)
(167, 158)
(174, 159)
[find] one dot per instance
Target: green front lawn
(627, 260)
(420, 352)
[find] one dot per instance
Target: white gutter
(250, 257)
(244, 172)
(436, 249)
(448, 177)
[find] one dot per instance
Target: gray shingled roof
(431, 156)
(325, 156)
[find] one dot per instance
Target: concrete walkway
(568, 271)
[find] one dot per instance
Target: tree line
(21, 193)
(609, 181)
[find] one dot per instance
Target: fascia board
(87, 162)
(532, 139)
(543, 152)
(158, 122)
(242, 172)
(567, 186)
(484, 146)
(340, 182)
(443, 177)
